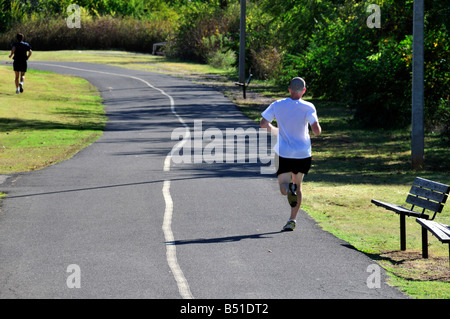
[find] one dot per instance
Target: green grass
(52, 120)
(352, 165)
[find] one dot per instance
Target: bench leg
(424, 242)
(402, 232)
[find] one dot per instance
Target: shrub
(381, 88)
(437, 78)
(202, 33)
(266, 63)
(222, 59)
(103, 32)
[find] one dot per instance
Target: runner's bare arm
(269, 127)
(12, 52)
(315, 127)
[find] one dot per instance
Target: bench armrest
(398, 209)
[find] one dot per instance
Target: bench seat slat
(441, 231)
(443, 228)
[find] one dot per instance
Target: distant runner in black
(21, 52)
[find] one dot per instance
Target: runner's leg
(297, 179)
(22, 78)
(283, 180)
(17, 78)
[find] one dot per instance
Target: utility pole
(417, 118)
(242, 26)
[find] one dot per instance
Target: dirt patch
(410, 265)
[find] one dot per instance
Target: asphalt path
(124, 218)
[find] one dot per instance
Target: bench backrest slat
(435, 186)
(417, 201)
(422, 192)
(428, 194)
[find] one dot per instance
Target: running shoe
(290, 226)
(21, 87)
(292, 194)
(17, 91)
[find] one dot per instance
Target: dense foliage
(328, 42)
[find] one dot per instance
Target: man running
(293, 148)
(22, 52)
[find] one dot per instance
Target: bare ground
(410, 265)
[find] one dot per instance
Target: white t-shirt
(292, 118)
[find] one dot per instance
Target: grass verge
(352, 165)
(52, 120)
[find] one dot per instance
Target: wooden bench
(425, 197)
(440, 231)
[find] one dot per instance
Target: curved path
(125, 219)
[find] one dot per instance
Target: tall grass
(102, 32)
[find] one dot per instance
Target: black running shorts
(20, 66)
(294, 165)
